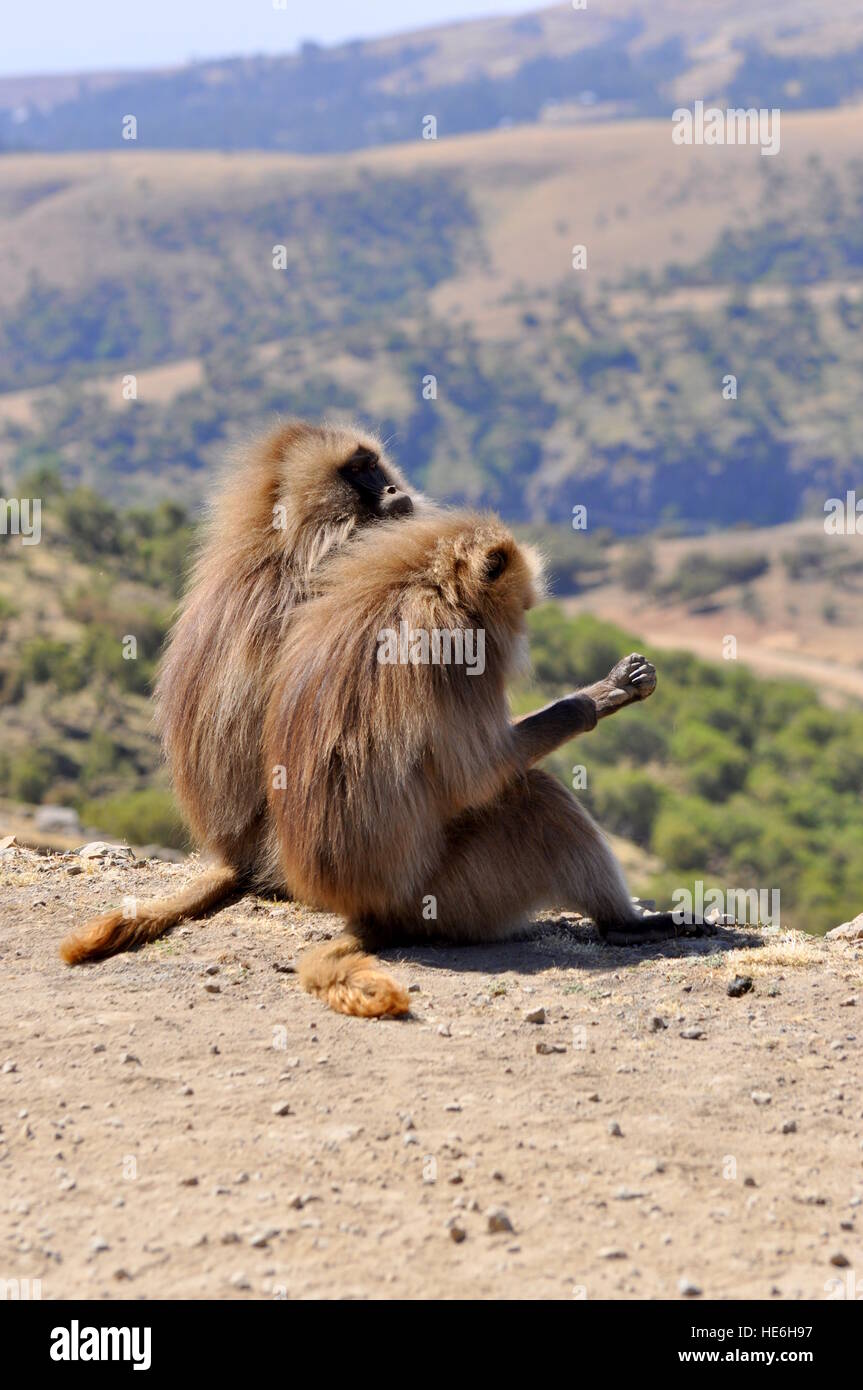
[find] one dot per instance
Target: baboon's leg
(541, 733)
(534, 847)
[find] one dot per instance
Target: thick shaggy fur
(248, 580)
(117, 931)
(249, 577)
(350, 981)
(409, 805)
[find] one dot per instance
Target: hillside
(789, 595)
(617, 59)
(74, 691)
(191, 1125)
(452, 261)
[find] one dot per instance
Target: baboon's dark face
(376, 493)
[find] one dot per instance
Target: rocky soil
(556, 1119)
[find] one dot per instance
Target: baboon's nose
(396, 503)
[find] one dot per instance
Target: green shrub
(698, 575)
(41, 658)
(712, 764)
(92, 524)
(566, 654)
(637, 737)
(46, 660)
(141, 817)
(101, 758)
(101, 654)
(627, 803)
(30, 775)
(683, 835)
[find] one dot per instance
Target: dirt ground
(185, 1122)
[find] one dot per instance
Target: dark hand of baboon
(547, 729)
(632, 679)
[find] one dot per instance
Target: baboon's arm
(538, 734)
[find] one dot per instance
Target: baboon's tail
(117, 931)
(350, 981)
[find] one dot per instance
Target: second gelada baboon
(286, 505)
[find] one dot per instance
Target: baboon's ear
(496, 562)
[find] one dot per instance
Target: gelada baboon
(402, 795)
(296, 496)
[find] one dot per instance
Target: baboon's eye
(362, 458)
(495, 564)
(365, 474)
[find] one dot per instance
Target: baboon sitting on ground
(293, 499)
(401, 794)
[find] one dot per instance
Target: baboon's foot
(632, 679)
(660, 926)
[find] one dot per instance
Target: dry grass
(791, 950)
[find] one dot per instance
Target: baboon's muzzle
(395, 503)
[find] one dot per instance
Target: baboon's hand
(633, 678)
(634, 673)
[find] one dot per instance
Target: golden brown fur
(407, 785)
(117, 931)
(350, 981)
(249, 577)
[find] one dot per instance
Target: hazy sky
(74, 35)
